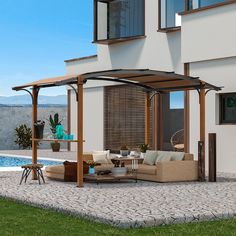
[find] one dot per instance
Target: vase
(91, 170)
(59, 131)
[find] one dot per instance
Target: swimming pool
(10, 161)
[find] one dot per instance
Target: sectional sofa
(170, 167)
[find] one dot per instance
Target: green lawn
(18, 219)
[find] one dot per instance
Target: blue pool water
(19, 161)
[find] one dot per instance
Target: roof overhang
(150, 80)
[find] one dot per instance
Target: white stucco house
(191, 37)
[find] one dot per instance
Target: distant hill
(26, 100)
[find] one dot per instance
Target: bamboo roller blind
(124, 117)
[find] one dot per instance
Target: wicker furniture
(177, 141)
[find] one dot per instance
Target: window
(119, 19)
(168, 11)
(194, 4)
(228, 108)
(177, 100)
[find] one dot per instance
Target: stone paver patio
(127, 204)
(130, 204)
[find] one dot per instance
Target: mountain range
(26, 100)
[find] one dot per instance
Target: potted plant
(39, 127)
(92, 165)
(54, 122)
(119, 168)
(124, 151)
(23, 136)
(143, 148)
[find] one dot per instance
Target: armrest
(177, 171)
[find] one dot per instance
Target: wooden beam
(34, 119)
(202, 134)
(155, 123)
(212, 156)
(147, 118)
(186, 111)
(69, 117)
(80, 133)
(159, 122)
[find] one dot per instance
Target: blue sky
(37, 36)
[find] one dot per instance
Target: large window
(168, 11)
(228, 108)
(119, 19)
(194, 4)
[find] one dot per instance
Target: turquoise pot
(91, 170)
(59, 132)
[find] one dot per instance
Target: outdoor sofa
(171, 169)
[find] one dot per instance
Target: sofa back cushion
(163, 156)
(177, 156)
(150, 157)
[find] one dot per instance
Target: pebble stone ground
(129, 204)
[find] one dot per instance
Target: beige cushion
(177, 156)
(107, 153)
(150, 157)
(55, 169)
(100, 158)
(146, 169)
(163, 156)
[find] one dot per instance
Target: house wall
(158, 51)
(222, 73)
(208, 44)
(206, 41)
(210, 34)
(93, 119)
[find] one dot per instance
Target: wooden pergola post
(186, 111)
(80, 181)
(159, 122)
(69, 117)
(147, 118)
(201, 161)
(34, 119)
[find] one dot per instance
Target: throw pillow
(163, 156)
(107, 152)
(150, 157)
(177, 156)
(101, 158)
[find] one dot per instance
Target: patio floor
(127, 204)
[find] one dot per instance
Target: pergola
(153, 82)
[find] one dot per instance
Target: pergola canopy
(150, 80)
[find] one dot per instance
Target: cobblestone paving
(130, 204)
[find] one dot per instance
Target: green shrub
(23, 136)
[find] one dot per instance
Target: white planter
(142, 155)
(124, 153)
(119, 171)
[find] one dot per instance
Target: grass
(19, 219)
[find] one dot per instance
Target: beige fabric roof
(148, 79)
